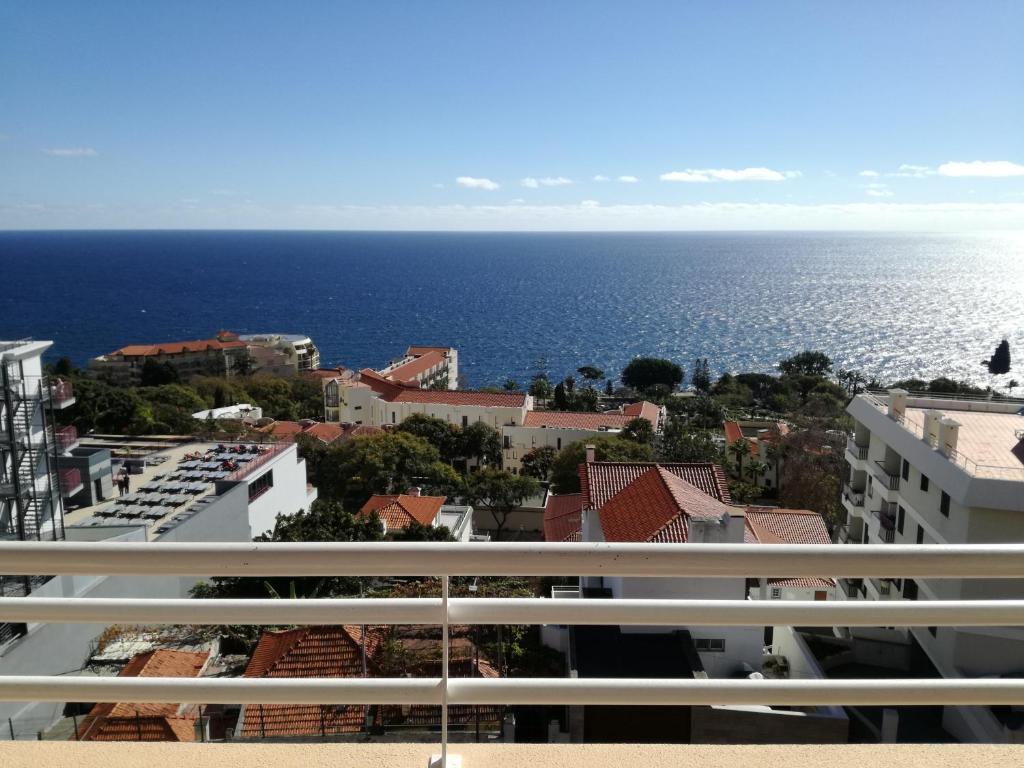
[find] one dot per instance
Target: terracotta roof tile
(420, 363)
(644, 410)
(464, 397)
(563, 517)
(147, 722)
(401, 510)
(771, 525)
(176, 347)
(575, 420)
(325, 431)
(599, 481)
(657, 506)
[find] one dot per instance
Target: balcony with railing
(888, 480)
(66, 438)
(444, 561)
(854, 498)
(857, 452)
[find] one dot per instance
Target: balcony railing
(858, 451)
(446, 560)
(62, 390)
(66, 437)
(856, 498)
(886, 478)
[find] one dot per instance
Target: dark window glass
(920, 535)
(906, 470)
(944, 504)
(900, 516)
(924, 482)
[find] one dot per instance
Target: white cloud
(601, 177)
(877, 190)
(628, 179)
(869, 174)
(987, 168)
(548, 181)
(912, 171)
(725, 174)
(71, 152)
(471, 182)
(589, 204)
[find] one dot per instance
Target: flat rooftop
(990, 442)
(172, 486)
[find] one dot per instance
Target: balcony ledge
(292, 755)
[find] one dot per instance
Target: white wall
(286, 497)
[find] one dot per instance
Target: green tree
(999, 363)
(312, 450)
(308, 396)
(538, 462)
(740, 449)
(510, 385)
(480, 441)
(701, 376)
(590, 373)
(438, 432)
(274, 396)
(755, 469)
(561, 399)
(808, 363)
(540, 388)
(416, 531)
(155, 373)
(500, 493)
(585, 399)
(645, 373)
(390, 462)
(609, 390)
(639, 430)
(681, 443)
(564, 471)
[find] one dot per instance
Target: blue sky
(519, 115)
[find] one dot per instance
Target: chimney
(897, 403)
(932, 418)
(414, 491)
(949, 431)
(591, 454)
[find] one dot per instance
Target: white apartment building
(932, 470)
(31, 483)
(429, 367)
(281, 354)
(374, 401)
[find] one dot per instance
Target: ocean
(891, 305)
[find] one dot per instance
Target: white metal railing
(499, 559)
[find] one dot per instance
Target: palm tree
(739, 448)
(774, 455)
(755, 469)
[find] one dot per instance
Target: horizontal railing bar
(523, 691)
(626, 691)
(513, 559)
(706, 613)
(974, 613)
(258, 611)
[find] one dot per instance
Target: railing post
(444, 673)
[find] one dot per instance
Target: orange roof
(601, 480)
(575, 420)
(643, 410)
(282, 430)
(329, 373)
(147, 722)
(176, 347)
(772, 525)
(563, 517)
(463, 397)
(424, 350)
(399, 511)
(419, 364)
(325, 431)
(657, 506)
(334, 651)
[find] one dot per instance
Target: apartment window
(358, 408)
(905, 473)
(924, 482)
(901, 514)
(392, 417)
(558, 441)
(871, 486)
(465, 421)
(944, 504)
(710, 645)
(910, 590)
(261, 485)
(508, 442)
(920, 535)
(776, 593)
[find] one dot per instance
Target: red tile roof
(309, 652)
(563, 517)
(771, 525)
(657, 506)
(463, 397)
(643, 410)
(401, 510)
(575, 420)
(421, 363)
(599, 481)
(282, 430)
(176, 347)
(424, 350)
(325, 431)
(147, 722)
